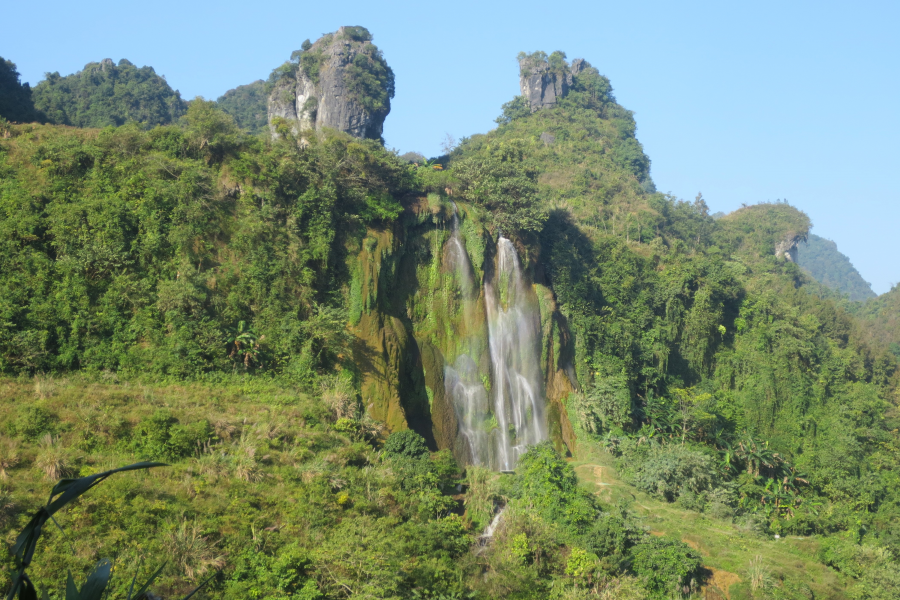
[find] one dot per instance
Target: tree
(516, 108)
(247, 105)
(210, 131)
(500, 181)
(15, 97)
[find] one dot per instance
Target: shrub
(246, 465)
(667, 566)
(191, 551)
(162, 437)
(482, 495)
(550, 483)
(51, 458)
(44, 386)
(407, 444)
(33, 422)
(667, 471)
(9, 457)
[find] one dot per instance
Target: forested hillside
(821, 258)
(247, 104)
(106, 93)
(276, 320)
(882, 315)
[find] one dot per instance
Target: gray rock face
(787, 248)
(578, 65)
(540, 85)
(544, 80)
(323, 91)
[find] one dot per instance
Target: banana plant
(98, 580)
(245, 343)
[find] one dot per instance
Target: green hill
(247, 104)
(821, 259)
(105, 94)
(282, 322)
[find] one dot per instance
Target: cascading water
(498, 422)
(514, 336)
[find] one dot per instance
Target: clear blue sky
(746, 102)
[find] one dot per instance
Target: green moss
(474, 235)
(546, 306)
(356, 299)
(435, 203)
(555, 339)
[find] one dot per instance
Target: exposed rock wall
(413, 316)
(324, 89)
(787, 248)
(541, 85)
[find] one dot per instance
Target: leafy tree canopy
(248, 105)
(15, 97)
(105, 94)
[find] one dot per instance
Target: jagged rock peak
(545, 79)
(341, 81)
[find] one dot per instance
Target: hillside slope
(821, 258)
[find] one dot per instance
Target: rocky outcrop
(541, 83)
(787, 248)
(341, 82)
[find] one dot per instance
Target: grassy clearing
(274, 478)
(729, 550)
(239, 491)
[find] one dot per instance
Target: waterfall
(514, 337)
(499, 414)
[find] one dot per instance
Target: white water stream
(501, 414)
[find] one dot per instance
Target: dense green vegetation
(159, 253)
(882, 317)
(15, 97)
(247, 104)
(108, 94)
(296, 502)
(194, 294)
(821, 258)
(368, 78)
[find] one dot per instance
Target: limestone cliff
(341, 82)
(544, 79)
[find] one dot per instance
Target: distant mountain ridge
(821, 258)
